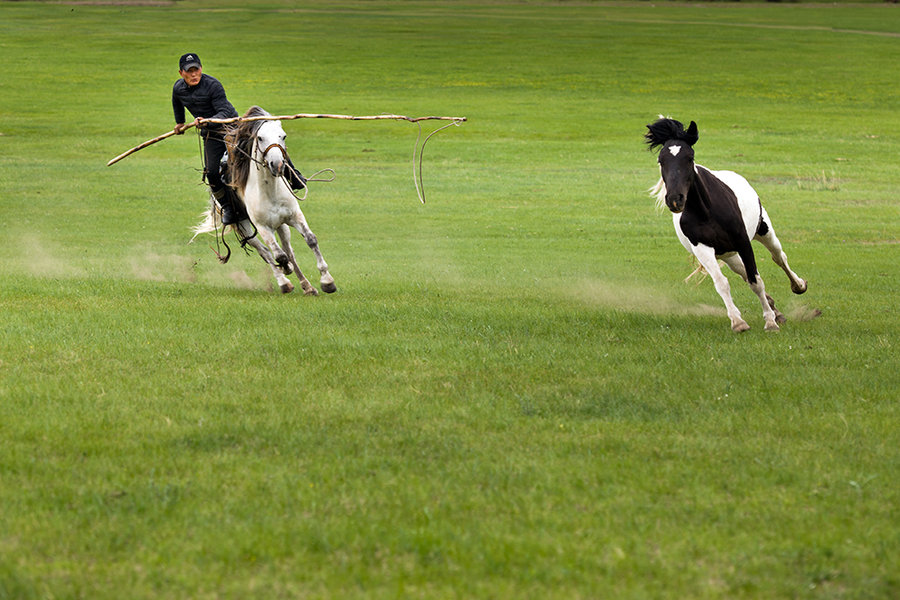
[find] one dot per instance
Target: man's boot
(295, 179)
(233, 210)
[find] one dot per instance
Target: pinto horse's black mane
(663, 130)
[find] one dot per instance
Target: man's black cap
(188, 62)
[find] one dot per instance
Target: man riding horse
(204, 96)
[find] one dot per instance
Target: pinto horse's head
(676, 158)
(270, 139)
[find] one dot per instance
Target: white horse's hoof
(773, 326)
(287, 287)
(740, 327)
(800, 287)
(284, 263)
(326, 282)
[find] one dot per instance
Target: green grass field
(513, 394)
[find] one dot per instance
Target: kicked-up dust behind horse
(257, 160)
(716, 214)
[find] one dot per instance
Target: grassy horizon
(513, 392)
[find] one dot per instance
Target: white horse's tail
(212, 220)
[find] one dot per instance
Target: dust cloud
(43, 256)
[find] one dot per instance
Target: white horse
(257, 163)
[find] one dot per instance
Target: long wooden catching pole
(344, 117)
(169, 134)
(158, 138)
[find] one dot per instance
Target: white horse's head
(270, 144)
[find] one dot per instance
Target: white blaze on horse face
(271, 139)
(674, 150)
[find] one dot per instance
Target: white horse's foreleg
(278, 267)
(325, 278)
(770, 241)
(284, 232)
(707, 258)
(770, 313)
(280, 256)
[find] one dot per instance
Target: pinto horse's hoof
(773, 326)
(287, 288)
(799, 288)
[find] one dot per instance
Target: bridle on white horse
(275, 145)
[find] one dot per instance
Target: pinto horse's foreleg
(770, 313)
(706, 256)
(278, 269)
(284, 233)
(325, 278)
(770, 241)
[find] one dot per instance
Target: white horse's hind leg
(770, 241)
(770, 313)
(707, 257)
(284, 232)
(325, 278)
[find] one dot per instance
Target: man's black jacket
(206, 99)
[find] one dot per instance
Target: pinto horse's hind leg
(771, 314)
(766, 235)
(285, 234)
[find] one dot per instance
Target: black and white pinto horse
(716, 214)
(257, 159)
